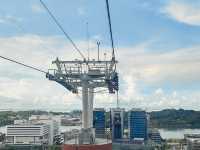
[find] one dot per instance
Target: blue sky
(133, 21)
(157, 45)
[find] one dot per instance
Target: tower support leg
(91, 100)
(86, 135)
(85, 117)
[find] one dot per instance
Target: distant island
(175, 119)
(168, 118)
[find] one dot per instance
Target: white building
(27, 134)
(37, 130)
(192, 141)
(49, 120)
(21, 121)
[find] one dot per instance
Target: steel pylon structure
(85, 76)
(82, 76)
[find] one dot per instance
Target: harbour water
(178, 133)
(165, 134)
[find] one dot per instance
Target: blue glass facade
(99, 122)
(117, 126)
(138, 124)
(117, 115)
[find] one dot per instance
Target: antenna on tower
(98, 44)
(88, 40)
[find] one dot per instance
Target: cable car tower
(86, 75)
(83, 76)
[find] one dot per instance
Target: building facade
(155, 136)
(39, 129)
(137, 124)
(49, 120)
(117, 123)
(99, 121)
(192, 141)
(27, 134)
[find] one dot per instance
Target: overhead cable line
(110, 28)
(112, 43)
(31, 67)
(62, 29)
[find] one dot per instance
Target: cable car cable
(31, 67)
(62, 29)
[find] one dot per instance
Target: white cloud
(81, 11)
(157, 68)
(9, 19)
(30, 89)
(182, 11)
(178, 68)
(159, 91)
(36, 8)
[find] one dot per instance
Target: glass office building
(117, 126)
(138, 124)
(99, 122)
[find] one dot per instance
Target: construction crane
(83, 75)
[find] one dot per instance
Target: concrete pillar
(91, 100)
(85, 117)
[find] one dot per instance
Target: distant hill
(173, 119)
(168, 118)
(8, 117)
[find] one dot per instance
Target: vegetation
(6, 118)
(173, 119)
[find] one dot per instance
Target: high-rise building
(99, 122)
(137, 124)
(117, 123)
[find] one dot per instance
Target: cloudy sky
(157, 45)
